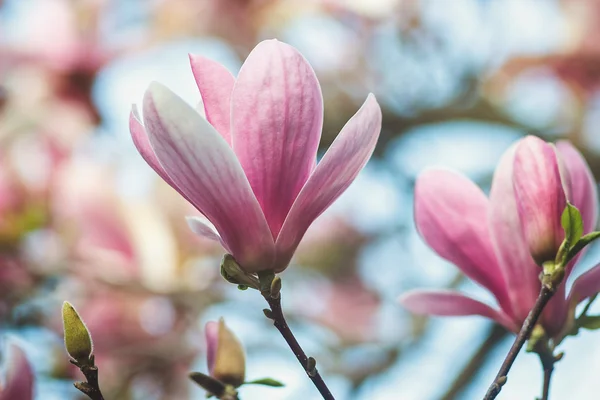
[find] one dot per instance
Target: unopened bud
(78, 340)
(226, 357)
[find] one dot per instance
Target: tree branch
(545, 295)
(90, 388)
(280, 323)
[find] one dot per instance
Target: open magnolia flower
(18, 382)
(500, 241)
(247, 159)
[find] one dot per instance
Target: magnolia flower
(247, 159)
(18, 383)
(496, 241)
(226, 357)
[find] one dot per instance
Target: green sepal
(572, 224)
(265, 382)
(589, 322)
(211, 385)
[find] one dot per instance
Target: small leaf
(572, 224)
(78, 340)
(265, 382)
(590, 322)
(210, 384)
(581, 243)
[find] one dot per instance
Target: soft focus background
(84, 219)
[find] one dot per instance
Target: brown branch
(90, 388)
(280, 323)
(545, 295)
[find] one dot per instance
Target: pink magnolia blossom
(18, 382)
(247, 159)
(494, 239)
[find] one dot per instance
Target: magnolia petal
(520, 271)
(211, 332)
(201, 226)
(586, 285)
(540, 197)
(277, 117)
(584, 191)
(452, 303)
(340, 165)
(19, 377)
(450, 211)
(204, 167)
(215, 83)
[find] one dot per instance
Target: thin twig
(545, 295)
(280, 323)
(547, 378)
(90, 388)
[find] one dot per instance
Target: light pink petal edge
(340, 165)
(277, 118)
(215, 83)
(211, 332)
(201, 163)
(452, 303)
(586, 285)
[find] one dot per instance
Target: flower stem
(90, 388)
(280, 323)
(544, 297)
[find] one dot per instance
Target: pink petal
(19, 377)
(211, 332)
(584, 191)
(520, 271)
(201, 226)
(540, 197)
(339, 167)
(452, 303)
(586, 285)
(215, 83)
(142, 144)
(450, 214)
(277, 117)
(203, 166)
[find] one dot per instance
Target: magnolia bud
(226, 357)
(78, 341)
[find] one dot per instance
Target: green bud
(233, 273)
(78, 340)
(276, 287)
(311, 366)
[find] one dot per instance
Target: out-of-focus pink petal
(452, 303)
(540, 197)
(201, 226)
(19, 377)
(450, 214)
(211, 331)
(586, 285)
(203, 166)
(339, 167)
(520, 271)
(584, 191)
(215, 83)
(277, 117)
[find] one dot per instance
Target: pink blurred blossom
(18, 382)
(250, 165)
(523, 211)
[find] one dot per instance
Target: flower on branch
(500, 241)
(246, 158)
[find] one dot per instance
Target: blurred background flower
(83, 219)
